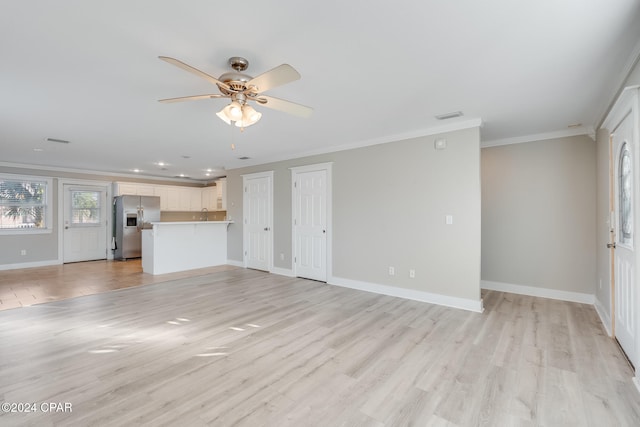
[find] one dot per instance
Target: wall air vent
(59, 141)
(450, 115)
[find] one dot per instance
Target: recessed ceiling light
(207, 174)
(450, 115)
(161, 164)
(209, 170)
(136, 170)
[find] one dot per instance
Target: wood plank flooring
(246, 348)
(25, 287)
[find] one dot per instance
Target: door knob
(611, 245)
(266, 229)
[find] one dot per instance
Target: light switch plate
(448, 219)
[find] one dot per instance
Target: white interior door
(85, 223)
(625, 267)
(310, 224)
(257, 212)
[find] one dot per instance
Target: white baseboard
(538, 292)
(235, 263)
(30, 264)
(282, 271)
(412, 294)
(605, 318)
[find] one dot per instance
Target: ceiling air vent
(244, 158)
(59, 141)
(450, 115)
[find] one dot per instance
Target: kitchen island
(178, 246)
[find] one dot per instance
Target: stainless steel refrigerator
(132, 214)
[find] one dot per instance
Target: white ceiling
(374, 71)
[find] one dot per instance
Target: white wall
(538, 216)
(389, 207)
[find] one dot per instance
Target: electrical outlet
(412, 274)
(281, 257)
(392, 271)
(23, 252)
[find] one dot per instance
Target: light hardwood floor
(25, 287)
(242, 347)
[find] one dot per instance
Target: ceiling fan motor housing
(236, 80)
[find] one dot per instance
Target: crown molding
(581, 130)
(434, 130)
(617, 87)
(103, 173)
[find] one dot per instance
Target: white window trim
(48, 211)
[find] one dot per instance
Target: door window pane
(625, 181)
(85, 207)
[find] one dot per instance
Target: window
(85, 207)
(625, 170)
(24, 203)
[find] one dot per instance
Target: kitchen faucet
(204, 214)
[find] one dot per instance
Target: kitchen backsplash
(192, 216)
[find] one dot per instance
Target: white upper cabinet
(210, 198)
(179, 199)
(173, 199)
(125, 188)
(195, 199)
(162, 191)
(221, 190)
(146, 190)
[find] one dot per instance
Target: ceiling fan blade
(278, 76)
(193, 70)
(285, 106)
(191, 98)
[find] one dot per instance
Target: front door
(310, 224)
(257, 212)
(625, 271)
(85, 223)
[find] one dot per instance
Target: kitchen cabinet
(210, 198)
(221, 189)
(195, 199)
(145, 190)
(182, 199)
(132, 189)
(177, 198)
(173, 199)
(124, 188)
(162, 191)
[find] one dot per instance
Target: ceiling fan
(242, 88)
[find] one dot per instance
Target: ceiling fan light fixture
(235, 111)
(249, 117)
(223, 115)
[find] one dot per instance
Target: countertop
(190, 222)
